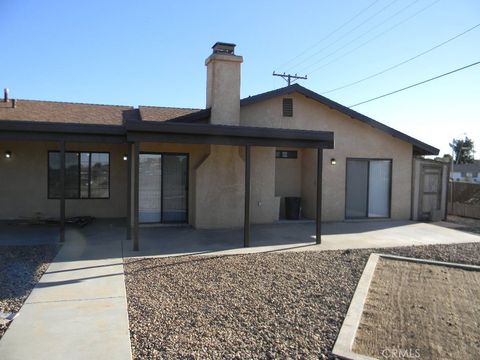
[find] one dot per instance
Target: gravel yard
(271, 305)
(20, 269)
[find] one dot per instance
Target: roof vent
(224, 48)
(5, 95)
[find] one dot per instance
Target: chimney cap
(223, 48)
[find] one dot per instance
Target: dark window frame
(79, 152)
(368, 189)
(287, 107)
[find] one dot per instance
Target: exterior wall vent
(287, 107)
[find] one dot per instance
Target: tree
(462, 150)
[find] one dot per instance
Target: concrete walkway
(78, 310)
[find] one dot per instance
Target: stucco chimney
(223, 84)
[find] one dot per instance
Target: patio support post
(136, 158)
(318, 233)
(62, 191)
(246, 225)
(129, 191)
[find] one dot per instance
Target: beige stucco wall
(219, 189)
(24, 181)
(353, 139)
(223, 88)
(264, 203)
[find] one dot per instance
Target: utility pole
(289, 77)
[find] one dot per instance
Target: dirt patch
(20, 269)
(262, 306)
(420, 309)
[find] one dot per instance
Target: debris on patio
(270, 305)
(39, 219)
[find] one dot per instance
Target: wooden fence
(464, 199)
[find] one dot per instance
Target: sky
(153, 52)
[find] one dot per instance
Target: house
(228, 165)
(466, 172)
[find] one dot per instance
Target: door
(175, 184)
(150, 188)
(163, 188)
(431, 192)
(368, 187)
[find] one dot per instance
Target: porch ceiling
(226, 135)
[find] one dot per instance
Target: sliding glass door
(163, 188)
(368, 188)
(174, 189)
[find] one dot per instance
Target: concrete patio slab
(78, 310)
(293, 236)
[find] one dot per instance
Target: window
(368, 188)
(87, 175)
(287, 107)
(286, 154)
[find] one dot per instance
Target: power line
(376, 37)
(401, 63)
(419, 83)
(362, 35)
(331, 33)
(344, 35)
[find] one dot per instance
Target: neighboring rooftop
(464, 168)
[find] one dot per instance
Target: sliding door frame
(368, 160)
(187, 184)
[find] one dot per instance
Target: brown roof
(64, 112)
(154, 113)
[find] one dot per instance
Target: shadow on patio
(175, 241)
(106, 238)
